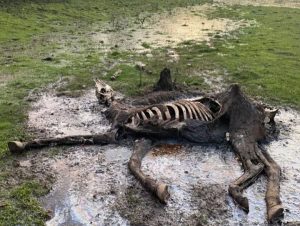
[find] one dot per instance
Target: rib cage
(179, 110)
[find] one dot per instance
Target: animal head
(105, 94)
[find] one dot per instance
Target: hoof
(239, 198)
(16, 146)
(274, 213)
(162, 193)
(244, 204)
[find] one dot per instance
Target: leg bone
(236, 187)
(18, 146)
(273, 171)
(160, 190)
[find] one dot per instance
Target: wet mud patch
(65, 116)
(168, 29)
(213, 204)
(93, 185)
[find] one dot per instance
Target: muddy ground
(94, 187)
(165, 29)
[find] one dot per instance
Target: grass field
(263, 58)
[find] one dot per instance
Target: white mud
(275, 3)
(167, 29)
(61, 116)
(94, 187)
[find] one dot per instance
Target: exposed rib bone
(158, 112)
(190, 114)
(201, 116)
(137, 116)
(203, 110)
(144, 116)
(150, 113)
(183, 110)
(132, 121)
(167, 114)
(206, 111)
(175, 108)
(193, 110)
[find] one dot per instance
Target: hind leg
(273, 171)
(160, 190)
(236, 187)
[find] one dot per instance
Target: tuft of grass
(146, 45)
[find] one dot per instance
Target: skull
(104, 92)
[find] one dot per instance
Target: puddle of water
(276, 3)
(94, 186)
(169, 29)
(88, 181)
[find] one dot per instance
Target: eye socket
(102, 90)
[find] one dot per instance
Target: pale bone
(175, 110)
(183, 110)
(158, 112)
(104, 92)
(193, 110)
(144, 116)
(205, 111)
(198, 111)
(150, 113)
(188, 108)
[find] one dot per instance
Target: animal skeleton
(227, 116)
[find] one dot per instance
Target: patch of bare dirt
(276, 3)
(167, 149)
(168, 29)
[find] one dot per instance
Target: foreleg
(105, 138)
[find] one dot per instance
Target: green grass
(22, 20)
(264, 58)
(21, 206)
